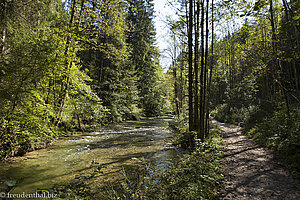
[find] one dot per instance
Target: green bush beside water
(197, 175)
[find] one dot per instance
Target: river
(117, 146)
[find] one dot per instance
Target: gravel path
(251, 172)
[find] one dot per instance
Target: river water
(119, 146)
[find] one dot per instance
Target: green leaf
(296, 17)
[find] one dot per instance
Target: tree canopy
(75, 64)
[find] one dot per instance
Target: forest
(245, 74)
(68, 65)
(74, 66)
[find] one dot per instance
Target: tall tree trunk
(211, 65)
(206, 90)
(65, 82)
(181, 88)
(289, 14)
(201, 133)
(3, 53)
(176, 89)
(190, 61)
(196, 69)
(276, 60)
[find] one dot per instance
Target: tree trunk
(276, 60)
(190, 60)
(201, 132)
(65, 82)
(206, 125)
(3, 53)
(196, 64)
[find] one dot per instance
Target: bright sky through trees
(162, 10)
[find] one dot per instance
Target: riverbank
(197, 175)
(29, 146)
(116, 146)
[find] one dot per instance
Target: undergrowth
(237, 116)
(280, 133)
(197, 175)
(276, 130)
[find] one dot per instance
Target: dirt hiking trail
(251, 172)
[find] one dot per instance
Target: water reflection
(118, 146)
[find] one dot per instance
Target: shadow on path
(250, 170)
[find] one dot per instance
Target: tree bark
(211, 65)
(205, 100)
(190, 61)
(276, 60)
(176, 89)
(3, 53)
(196, 68)
(201, 132)
(65, 84)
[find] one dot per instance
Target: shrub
(280, 132)
(182, 136)
(238, 116)
(196, 176)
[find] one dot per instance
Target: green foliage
(196, 176)
(43, 90)
(280, 132)
(73, 66)
(108, 63)
(182, 136)
(238, 116)
(28, 51)
(256, 83)
(144, 58)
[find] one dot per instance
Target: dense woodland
(68, 64)
(239, 62)
(75, 65)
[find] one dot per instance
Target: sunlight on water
(118, 146)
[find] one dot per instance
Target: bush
(221, 113)
(18, 135)
(280, 132)
(237, 116)
(196, 176)
(182, 136)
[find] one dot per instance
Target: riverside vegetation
(196, 175)
(73, 66)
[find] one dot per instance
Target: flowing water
(119, 146)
